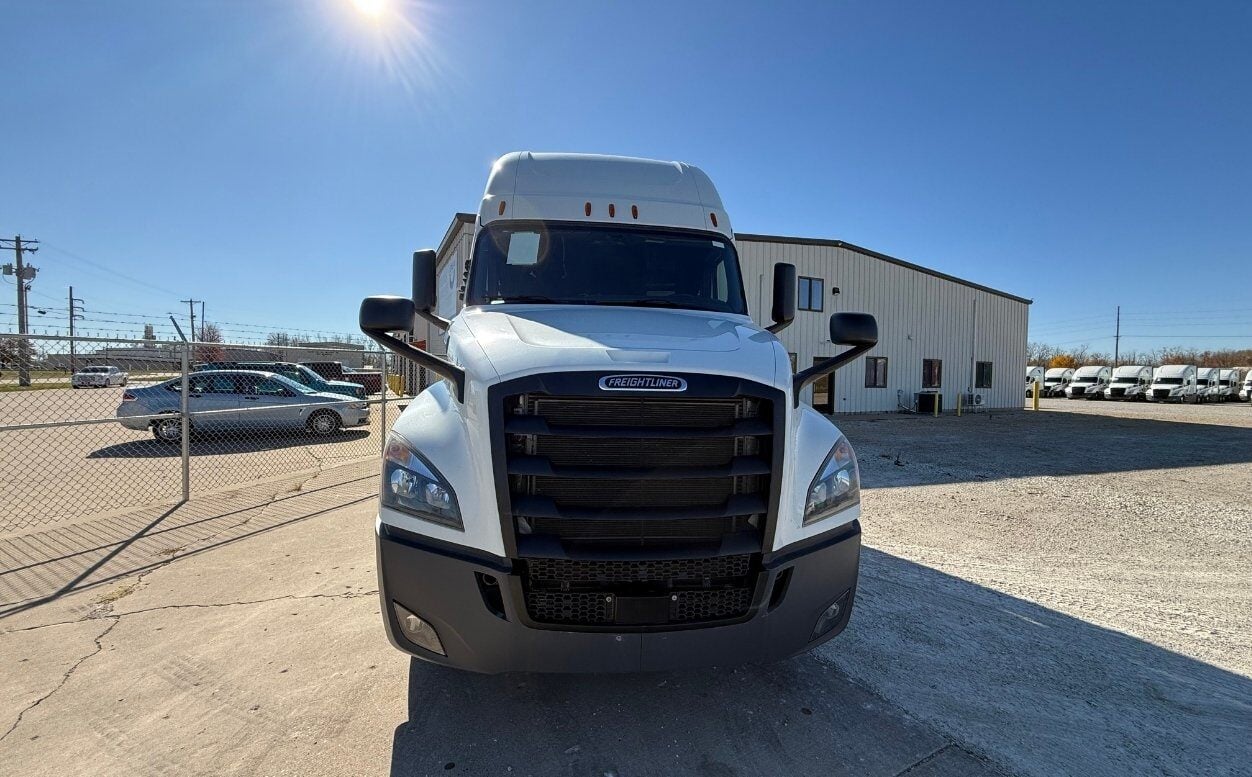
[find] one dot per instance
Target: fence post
(383, 435)
(184, 416)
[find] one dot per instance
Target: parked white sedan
(98, 377)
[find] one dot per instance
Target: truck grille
(1160, 393)
(1117, 392)
(650, 592)
(636, 511)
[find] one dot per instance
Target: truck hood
(524, 339)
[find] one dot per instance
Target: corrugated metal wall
(920, 316)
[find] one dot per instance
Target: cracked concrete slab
(265, 654)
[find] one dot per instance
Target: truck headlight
(837, 485)
(412, 485)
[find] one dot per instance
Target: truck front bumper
(438, 583)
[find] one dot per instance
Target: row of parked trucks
(1167, 383)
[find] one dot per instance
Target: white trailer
(1207, 387)
(1034, 374)
(1089, 382)
(1228, 382)
(1056, 380)
(1129, 382)
(1173, 383)
(616, 472)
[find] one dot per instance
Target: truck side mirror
(783, 311)
(387, 314)
(855, 329)
(424, 280)
(859, 330)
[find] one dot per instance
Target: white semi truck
(1173, 383)
(1245, 393)
(1228, 383)
(616, 472)
(1056, 380)
(1034, 374)
(1129, 382)
(1207, 384)
(1089, 382)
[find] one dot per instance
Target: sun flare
(371, 8)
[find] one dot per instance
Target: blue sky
(281, 159)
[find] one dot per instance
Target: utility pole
(191, 307)
(76, 313)
(25, 274)
(1117, 337)
(202, 319)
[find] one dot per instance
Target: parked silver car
(98, 377)
(238, 399)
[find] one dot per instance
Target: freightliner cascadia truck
(615, 472)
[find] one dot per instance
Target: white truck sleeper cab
(1129, 382)
(1208, 385)
(1173, 383)
(1245, 391)
(1089, 382)
(1056, 380)
(1034, 374)
(615, 474)
(1228, 383)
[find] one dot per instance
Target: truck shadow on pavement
(213, 444)
(917, 451)
(935, 674)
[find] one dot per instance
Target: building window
(982, 375)
(811, 292)
(932, 373)
(792, 357)
(876, 372)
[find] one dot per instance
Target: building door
(824, 390)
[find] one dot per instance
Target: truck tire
(324, 423)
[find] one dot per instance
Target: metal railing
(162, 429)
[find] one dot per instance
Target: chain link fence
(89, 426)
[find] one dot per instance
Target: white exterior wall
(920, 316)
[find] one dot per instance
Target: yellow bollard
(1038, 385)
(935, 407)
(958, 405)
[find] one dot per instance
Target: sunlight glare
(370, 8)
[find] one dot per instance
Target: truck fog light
(829, 617)
(418, 631)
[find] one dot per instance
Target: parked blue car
(238, 399)
(297, 372)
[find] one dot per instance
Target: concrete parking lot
(1062, 592)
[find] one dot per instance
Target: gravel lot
(1062, 592)
(1068, 589)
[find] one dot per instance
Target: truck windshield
(1169, 381)
(1125, 380)
(577, 264)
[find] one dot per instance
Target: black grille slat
(578, 451)
(610, 494)
(626, 530)
(545, 507)
(739, 466)
(639, 412)
(537, 425)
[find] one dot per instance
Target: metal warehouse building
(936, 333)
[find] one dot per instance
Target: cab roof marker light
(634, 211)
(500, 210)
(713, 218)
(612, 210)
(586, 208)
